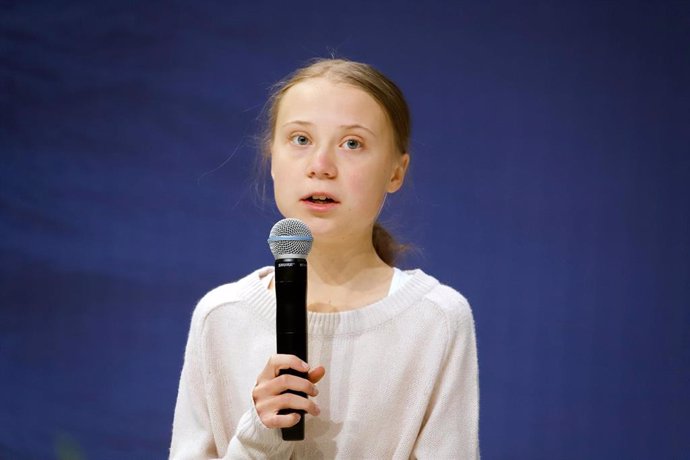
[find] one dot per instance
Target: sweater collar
(349, 322)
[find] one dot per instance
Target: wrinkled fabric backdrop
(549, 184)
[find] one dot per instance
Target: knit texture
(401, 377)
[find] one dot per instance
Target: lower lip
(320, 207)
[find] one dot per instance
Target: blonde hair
(378, 86)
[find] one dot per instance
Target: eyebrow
(353, 126)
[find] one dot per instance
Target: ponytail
(387, 248)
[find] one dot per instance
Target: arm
(451, 423)
(193, 435)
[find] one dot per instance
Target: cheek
(282, 171)
(280, 197)
(371, 191)
(281, 183)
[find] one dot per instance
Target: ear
(398, 175)
(270, 162)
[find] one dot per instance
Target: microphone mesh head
(290, 237)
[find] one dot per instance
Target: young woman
(396, 352)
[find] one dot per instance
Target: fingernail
(318, 409)
(316, 391)
(305, 365)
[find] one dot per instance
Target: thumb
(316, 374)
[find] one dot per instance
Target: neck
(345, 277)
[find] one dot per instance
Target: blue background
(550, 183)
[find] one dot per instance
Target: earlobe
(270, 163)
(398, 176)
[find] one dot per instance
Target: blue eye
(352, 144)
(299, 139)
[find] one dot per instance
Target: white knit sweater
(401, 377)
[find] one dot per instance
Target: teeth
(319, 197)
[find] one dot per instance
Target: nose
(322, 165)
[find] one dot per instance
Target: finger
(278, 362)
(292, 401)
(280, 421)
(316, 374)
(287, 401)
(283, 383)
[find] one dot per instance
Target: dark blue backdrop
(550, 184)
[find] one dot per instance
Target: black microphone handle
(291, 326)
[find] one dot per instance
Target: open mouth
(319, 199)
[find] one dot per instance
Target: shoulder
(227, 295)
(446, 301)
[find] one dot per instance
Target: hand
(269, 393)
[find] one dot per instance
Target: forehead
(322, 101)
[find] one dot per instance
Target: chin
(319, 226)
(325, 228)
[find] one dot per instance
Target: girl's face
(333, 159)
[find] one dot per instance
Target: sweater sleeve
(450, 428)
(193, 434)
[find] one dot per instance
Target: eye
(352, 144)
(299, 139)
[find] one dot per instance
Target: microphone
(290, 241)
